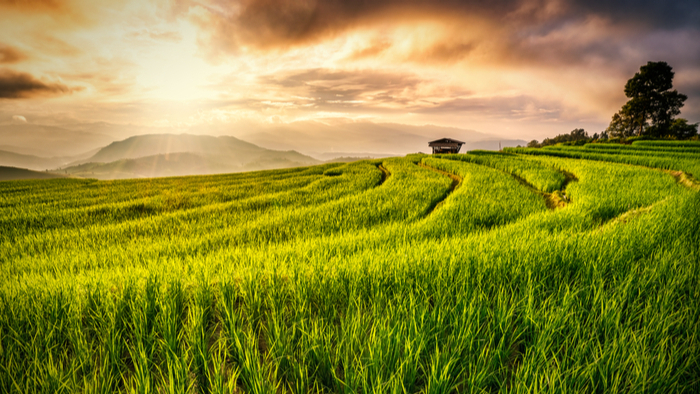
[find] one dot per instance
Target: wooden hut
(446, 145)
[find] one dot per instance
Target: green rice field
(563, 269)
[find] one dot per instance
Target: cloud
(72, 11)
(373, 49)
(157, 35)
(60, 15)
(19, 119)
(269, 23)
(33, 5)
(522, 107)
(649, 13)
(15, 85)
(536, 31)
(10, 54)
(443, 52)
(343, 88)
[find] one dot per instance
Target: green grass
(653, 149)
(350, 278)
(689, 163)
(689, 144)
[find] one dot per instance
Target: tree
(681, 129)
(621, 125)
(652, 105)
(576, 135)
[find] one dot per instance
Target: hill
(158, 155)
(49, 141)
(38, 163)
(156, 144)
(12, 159)
(323, 139)
(13, 174)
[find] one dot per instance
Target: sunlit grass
(339, 279)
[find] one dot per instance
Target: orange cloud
(372, 50)
(10, 54)
(33, 5)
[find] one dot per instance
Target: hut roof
(445, 142)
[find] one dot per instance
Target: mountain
(329, 156)
(170, 164)
(492, 145)
(13, 174)
(12, 159)
(26, 150)
(156, 144)
(37, 163)
(158, 155)
(49, 141)
(330, 139)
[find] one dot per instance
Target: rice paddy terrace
(563, 269)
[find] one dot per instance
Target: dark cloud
(279, 24)
(273, 23)
(691, 109)
(10, 54)
(665, 14)
(15, 85)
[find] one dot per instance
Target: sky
(525, 69)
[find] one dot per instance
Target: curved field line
(554, 200)
(558, 198)
(456, 182)
(686, 179)
(683, 178)
(385, 174)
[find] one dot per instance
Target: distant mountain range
(49, 141)
(13, 174)
(327, 140)
(77, 151)
(39, 163)
(158, 155)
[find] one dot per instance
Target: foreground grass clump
(417, 274)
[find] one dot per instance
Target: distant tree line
(650, 112)
(576, 137)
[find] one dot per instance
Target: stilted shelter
(446, 145)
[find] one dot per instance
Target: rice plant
(431, 274)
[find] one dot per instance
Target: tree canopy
(652, 106)
(576, 135)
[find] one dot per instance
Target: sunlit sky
(521, 69)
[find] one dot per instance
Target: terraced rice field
(569, 269)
